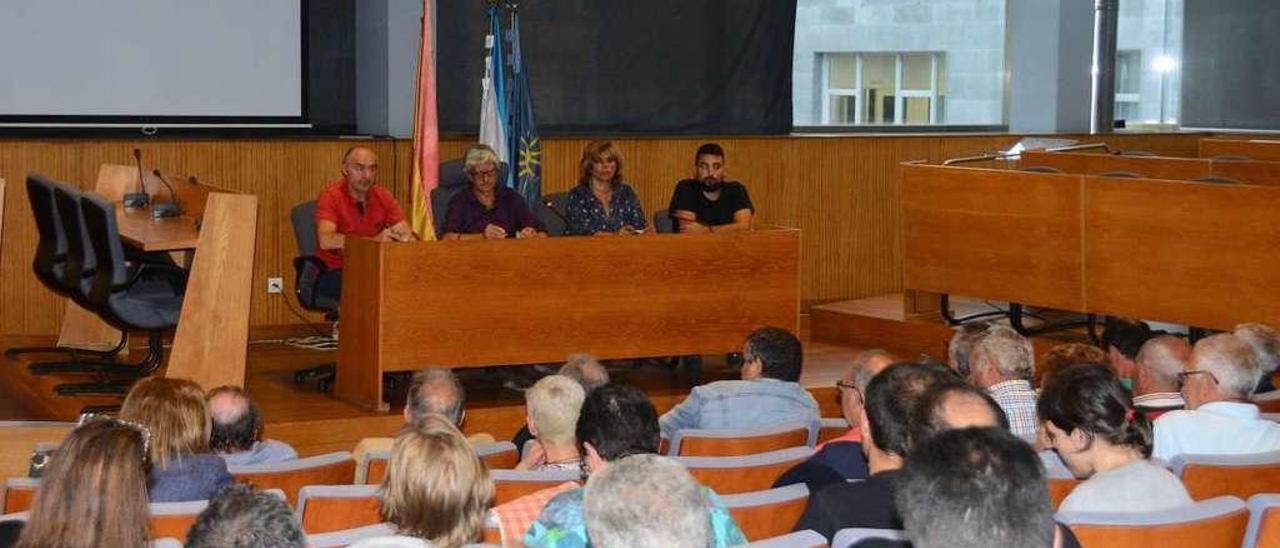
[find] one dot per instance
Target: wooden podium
(214, 237)
(479, 303)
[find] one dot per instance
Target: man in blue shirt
(768, 393)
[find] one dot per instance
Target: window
(1148, 61)
(1128, 85)
(882, 88)
(893, 62)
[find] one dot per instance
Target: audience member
(583, 368)
(708, 203)
(977, 488)
(433, 391)
(237, 430)
(952, 406)
(1155, 382)
(841, 459)
(173, 410)
(1066, 355)
(551, 411)
(617, 421)
(1001, 362)
(240, 516)
(768, 393)
(1122, 339)
(93, 492)
(602, 204)
(436, 488)
(1220, 378)
(1265, 341)
(961, 345)
(1089, 421)
(646, 501)
(890, 397)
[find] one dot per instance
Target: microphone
(139, 198)
(170, 208)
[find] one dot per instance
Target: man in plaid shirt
(1002, 362)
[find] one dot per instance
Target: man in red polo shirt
(355, 206)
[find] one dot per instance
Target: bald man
(1156, 369)
(356, 206)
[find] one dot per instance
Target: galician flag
(493, 108)
(426, 135)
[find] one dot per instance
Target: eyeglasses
(490, 174)
(86, 418)
(1182, 377)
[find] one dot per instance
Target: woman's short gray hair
(646, 501)
(477, 155)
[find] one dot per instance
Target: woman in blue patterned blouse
(602, 204)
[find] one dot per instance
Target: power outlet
(275, 285)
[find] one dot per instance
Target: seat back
(743, 474)
(552, 216)
(19, 493)
(19, 438)
(1207, 476)
(799, 539)
(326, 508)
(1215, 523)
(768, 513)
(740, 441)
(81, 264)
(509, 485)
(1264, 522)
(108, 250)
(832, 428)
(663, 223)
(348, 537)
(1061, 481)
(307, 267)
(852, 535)
(500, 455)
(174, 519)
(291, 476)
(51, 243)
(303, 218)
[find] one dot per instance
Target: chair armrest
(175, 275)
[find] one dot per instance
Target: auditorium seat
(740, 441)
(1215, 523)
(347, 537)
(19, 438)
(1061, 481)
(509, 485)
(1264, 522)
(1268, 402)
(326, 508)
(768, 513)
(663, 223)
(832, 428)
(798, 539)
(852, 535)
(290, 476)
(743, 474)
(174, 519)
(492, 530)
(1207, 476)
(18, 494)
(166, 542)
(499, 455)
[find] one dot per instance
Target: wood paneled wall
(840, 191)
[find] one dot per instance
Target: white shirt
(1139, 486)
(1217, 428)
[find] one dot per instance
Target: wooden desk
(1258, 149)
(210, 344)
(478, 303)
(1156, 167)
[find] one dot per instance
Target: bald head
(952, 406)
(585, 369)
(864, 366)
(237, 422)
(1159, 362)
(360, 170)
(1231, 367)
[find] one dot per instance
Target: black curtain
(631, 67)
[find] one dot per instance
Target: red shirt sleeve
(326, 207)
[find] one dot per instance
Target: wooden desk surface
(1257, 149)
(139, 229)
(1156, 167)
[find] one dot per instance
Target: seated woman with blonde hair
(436, 490)
(182, 466)
(93, 493)
(601, 204)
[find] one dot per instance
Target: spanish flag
(426, 135)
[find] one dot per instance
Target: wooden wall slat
(841, 191)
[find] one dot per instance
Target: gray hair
(1265, 341)
(242, 516)
(646, 501)
(479, 154)
(436, 390)
(1231, 361)
(585, 369)
(961, 344)
(860, 367)
(1160, 357)
(1010, 352)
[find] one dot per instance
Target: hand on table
(494, 232)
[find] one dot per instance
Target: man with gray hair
(1001, 363)
(240, 516)
(646, 501)
(961, 345)
(433, 391)
(1266, 344)
(1219, 420)
(1156, 369)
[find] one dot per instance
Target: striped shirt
(1018, 401)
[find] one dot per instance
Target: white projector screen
(197, 61)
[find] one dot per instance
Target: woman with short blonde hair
(174, 411)
(602, 204)
(436, 487)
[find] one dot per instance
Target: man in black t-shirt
(708, 203)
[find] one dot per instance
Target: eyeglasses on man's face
(1183, 376)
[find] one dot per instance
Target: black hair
(1089, 397)
(1127, 335)
(712, 149)
(239, 434)
(928, 419)
(618, 420)
(240, 516)
(893, 393)
(779, 352)
(975, 488)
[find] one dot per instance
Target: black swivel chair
(663, 223)
(146, 297)
(550, 210)
(308, 269)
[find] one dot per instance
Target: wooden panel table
(217, 232)
(1257, 149)
(1156, 167)
(479, 303)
